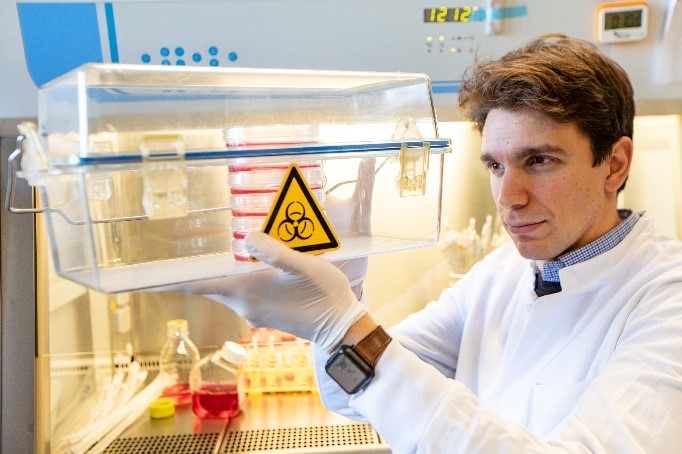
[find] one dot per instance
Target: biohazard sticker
(296, 218)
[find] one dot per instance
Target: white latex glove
(307, 296)
(352, 216)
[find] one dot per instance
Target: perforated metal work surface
(165, 444)
(281, 423)
(294, 439)
(300, 439)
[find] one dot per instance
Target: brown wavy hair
(568, 79)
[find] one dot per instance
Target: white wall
(18, 93)
(655, 182)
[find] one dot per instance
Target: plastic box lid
(100, 113)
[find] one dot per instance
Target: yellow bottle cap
(163, 407)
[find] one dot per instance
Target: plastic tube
(117, 409)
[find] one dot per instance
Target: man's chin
(531, 251)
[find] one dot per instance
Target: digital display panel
(443, 14)
(623, 19)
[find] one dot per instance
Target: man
(568, 338)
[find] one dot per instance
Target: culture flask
(178, 356)
(217, 383)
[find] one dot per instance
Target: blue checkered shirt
(550, 270)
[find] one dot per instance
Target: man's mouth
(522, 227)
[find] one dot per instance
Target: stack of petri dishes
(253, 187)
(252, 192)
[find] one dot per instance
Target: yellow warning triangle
(296, 218)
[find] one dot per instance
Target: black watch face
(349, 370)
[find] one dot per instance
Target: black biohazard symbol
(296, 218)
(296, 224)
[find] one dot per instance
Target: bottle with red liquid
(217, 383)
(178, 356)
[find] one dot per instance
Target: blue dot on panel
(213, 62)
(179, 51)
(164, 52)
(165, 62)
(180, 62)
(213, 50)
(232, 56)
(146, 58)
(196, 57)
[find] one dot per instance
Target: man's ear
(619, 164)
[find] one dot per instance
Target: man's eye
(493, 166)
(539, 160)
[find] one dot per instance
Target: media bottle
(217, 383)
(178, 356)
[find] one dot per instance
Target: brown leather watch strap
(373, 345)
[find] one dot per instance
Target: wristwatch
(352, 366)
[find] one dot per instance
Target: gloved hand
(307, 296)
(352, 216)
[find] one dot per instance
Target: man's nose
(511, 190)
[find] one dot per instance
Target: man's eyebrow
(527, 152)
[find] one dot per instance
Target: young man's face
(549, 196)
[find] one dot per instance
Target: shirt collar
(550, 270)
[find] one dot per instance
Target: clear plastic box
(136, 164)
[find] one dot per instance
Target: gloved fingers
(249, 310)
(275, 253)
(362, 196)
(354, 269)
(350, 214)
(229, 285)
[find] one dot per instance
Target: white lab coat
(492, 368)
